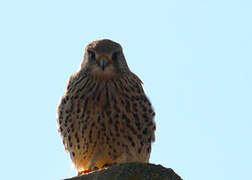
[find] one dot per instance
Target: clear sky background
(194, 57)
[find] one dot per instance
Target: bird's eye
(115, 56)
(91, 55)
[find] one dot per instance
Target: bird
(104, 117)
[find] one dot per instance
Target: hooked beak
(103, 63)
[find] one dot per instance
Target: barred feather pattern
(106, 121)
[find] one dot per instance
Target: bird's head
(104, 59)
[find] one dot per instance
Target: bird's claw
(84, 171)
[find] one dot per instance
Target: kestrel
(104, 116)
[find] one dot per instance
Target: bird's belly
(108, 127)
(106, 136)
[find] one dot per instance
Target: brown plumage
(104, 116)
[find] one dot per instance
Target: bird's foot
(84, 171)
(106, 165)
(88, 170)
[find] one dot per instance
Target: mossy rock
(131, 171)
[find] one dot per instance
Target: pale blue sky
(194, 57)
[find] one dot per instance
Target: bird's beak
(103, 63)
